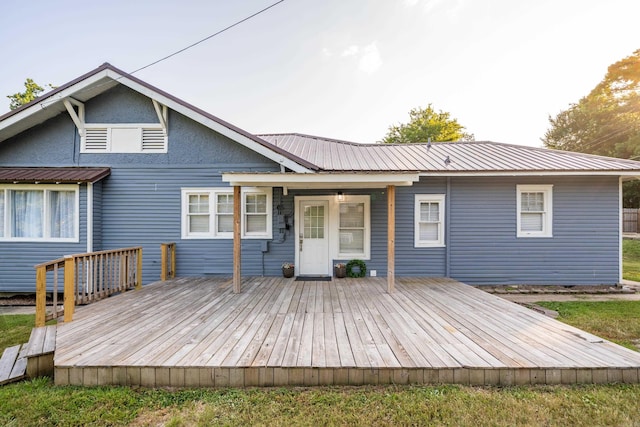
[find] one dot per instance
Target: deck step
(39, 352)
(13, 364)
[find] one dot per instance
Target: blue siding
(584, 248)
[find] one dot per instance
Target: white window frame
(213, 196)
(547, 220)
(429, 198)
(46, 216)
(366, 200)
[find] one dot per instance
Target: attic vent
(95, 139)
(153, 140)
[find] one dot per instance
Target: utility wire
(209, 37)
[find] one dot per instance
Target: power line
(209, 37)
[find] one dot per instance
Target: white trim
(334, 225)
(46, 232)
(213, 192)
(321, 180)
(429, 198)
(110, 127)
(89, 217)
(547, 219)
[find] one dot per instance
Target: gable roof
(445, 158)
(106, 77)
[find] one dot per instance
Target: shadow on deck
(194, 332)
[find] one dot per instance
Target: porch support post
(391, 237)
(237, 253)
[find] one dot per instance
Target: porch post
(237, 253)
(391, 238)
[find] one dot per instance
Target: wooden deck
(196, 332)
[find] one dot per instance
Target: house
(108, 161)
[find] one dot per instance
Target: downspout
(89, 217)
(447, 224)
(620, 229)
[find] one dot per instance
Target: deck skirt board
(197, 332)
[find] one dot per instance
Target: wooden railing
(167, 261)
(87, 278)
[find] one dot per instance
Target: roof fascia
(320, 180)
(534, 173)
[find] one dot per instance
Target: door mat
(313, 279)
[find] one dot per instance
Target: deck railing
(167, 261)
(87, 278)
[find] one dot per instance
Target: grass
(39, 403)
(15, 329)
(631, 259)
(617, 321)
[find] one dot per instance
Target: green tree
(32, 91)
(606, 121)
(427, 124)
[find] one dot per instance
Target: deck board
(196, 331)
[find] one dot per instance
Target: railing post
(139, 269)
(69, 287)
(173, 260)
(163, 261)
(41, 295)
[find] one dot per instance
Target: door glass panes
(314, 222)
(224, 210)
(199, 213)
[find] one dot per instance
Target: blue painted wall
(140, 204)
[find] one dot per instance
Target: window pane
(256, 203)
(225, 223)
(198, 203)
(352, 242)
(225, 204)
(429, 231)
(351, 215)
(256, 224)
(314, 222)
(1, 213)
(532, 202)
(531, 221)
(27, 213)
(199, 223)
(430, 211)
(62, 209)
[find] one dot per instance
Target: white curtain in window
(531, 221)
(62, 216)
(351, 228)
(224, 210)
(429, 231)
(255, 213)
(27, 213)
(198, 213)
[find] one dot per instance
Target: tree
(606, 121)
(32, 91)
(427, 124)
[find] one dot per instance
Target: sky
(344, 69)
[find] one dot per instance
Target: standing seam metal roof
(482, 156)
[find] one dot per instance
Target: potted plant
(288, 269)
(340, 270)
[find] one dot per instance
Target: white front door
(313, 237)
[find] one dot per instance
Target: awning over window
(52, 175)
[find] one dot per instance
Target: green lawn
(617, 321)
(15, 329)
(631, 259)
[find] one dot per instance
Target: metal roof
(443, 157)
(52, 175)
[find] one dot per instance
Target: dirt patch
(20, 300)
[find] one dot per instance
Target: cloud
(410, 3)
(370, 60)
(327, 52)
(351, 50)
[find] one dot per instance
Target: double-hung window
(535, 210)
(429, 220)
(353, 227)
(39, 213)
(207, 213)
